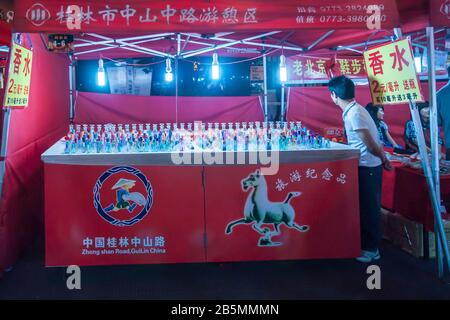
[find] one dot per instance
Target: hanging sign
(256, 73)
(130, 80)
(19, 77)
(302, 68)
(60, 43)
(392, 74)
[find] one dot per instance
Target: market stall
(223, 212)
(197, 212)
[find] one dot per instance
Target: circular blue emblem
(126, 199)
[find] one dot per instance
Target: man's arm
(373, 147)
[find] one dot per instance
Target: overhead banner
(19, 77)
(301, 68)
(392, 74)
(440, 13)
(196, 15)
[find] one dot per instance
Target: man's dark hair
(343, 87)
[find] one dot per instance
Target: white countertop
(55, 155)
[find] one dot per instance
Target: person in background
(443, 109)
(377, 114)
(410, 133)
(362, 134)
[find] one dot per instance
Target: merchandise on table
(112, 138)
(414, 161)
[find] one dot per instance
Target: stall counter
(142, 208)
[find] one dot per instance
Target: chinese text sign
(19, 77)
(392, 74)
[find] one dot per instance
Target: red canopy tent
(130, 30)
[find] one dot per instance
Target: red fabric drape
(411, 198)
(31, 132)
(93, 108)
(313, 106)
(5, 33)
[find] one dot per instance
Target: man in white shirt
(362, 133)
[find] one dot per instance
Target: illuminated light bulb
(169, 75)
(283, 70)
(215, 67)
(418, 60)
(101, 76)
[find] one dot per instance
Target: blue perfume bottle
(67, 147)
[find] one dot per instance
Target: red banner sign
(302, 68)
(195, 15)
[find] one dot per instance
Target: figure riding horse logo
(124, 199)
(260, 210)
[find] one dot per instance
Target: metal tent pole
(434, 135)
(266, 113)
(282, 102)
(72, 89)
(176, 90)
(4, 145)
(176, 75)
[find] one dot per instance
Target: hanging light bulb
(169, 74)
(215, 67)
(101, 77)
(283, 70)
(418, 60)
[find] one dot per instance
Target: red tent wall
(5, 33)
(313, 106)
(93, 108)
(31, 132)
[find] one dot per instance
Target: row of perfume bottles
(252, 136)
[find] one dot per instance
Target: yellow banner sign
(19, 77)
(392, 74)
